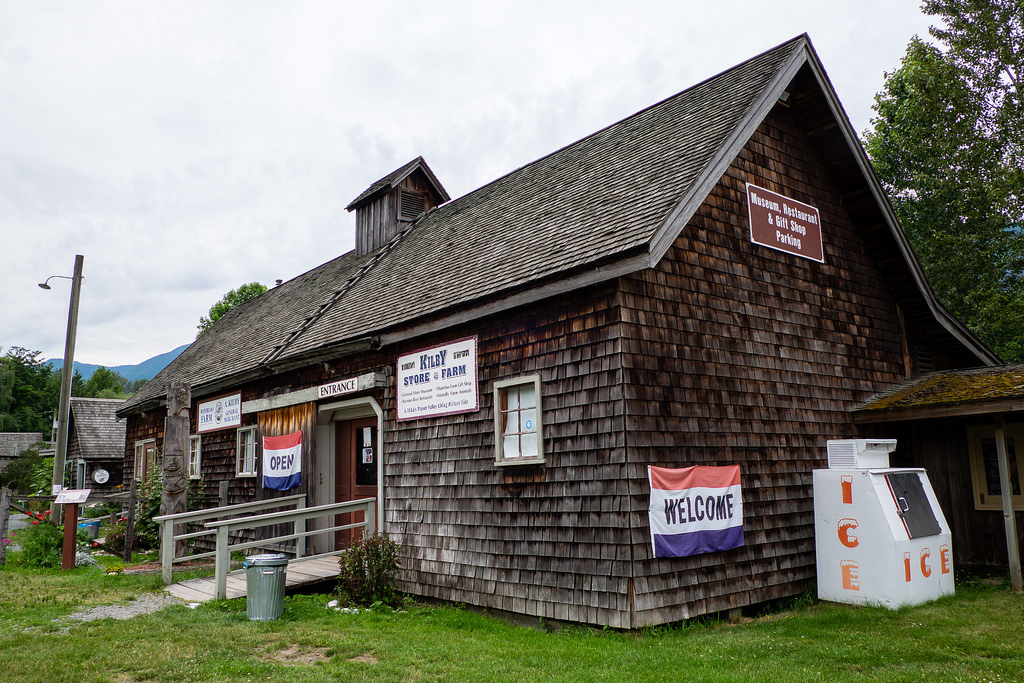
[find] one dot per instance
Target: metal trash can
(265, 583)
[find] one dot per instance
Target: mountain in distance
(147, 369)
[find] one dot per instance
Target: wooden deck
(298, 572)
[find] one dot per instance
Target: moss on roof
(956, 387)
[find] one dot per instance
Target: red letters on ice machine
(880, 536)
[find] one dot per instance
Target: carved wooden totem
(176, 443)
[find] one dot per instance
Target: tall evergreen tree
(29, 391)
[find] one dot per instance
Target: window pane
(529, 420)
(513, 398)
(527, 396)
(529, 445)
(512, 423)
(510, 448)
(990, 457)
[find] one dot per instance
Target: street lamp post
(67, 373)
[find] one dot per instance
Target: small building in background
(96, 444)
(13, 443)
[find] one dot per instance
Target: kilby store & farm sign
(441, 380)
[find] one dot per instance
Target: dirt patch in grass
(365, 659)
(296, 655)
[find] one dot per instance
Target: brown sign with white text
(785, 224)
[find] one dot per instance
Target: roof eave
(236, 379)
(687, 206)
(867, 416)
(942, 316)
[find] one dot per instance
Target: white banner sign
(220, 413)
(441, 380)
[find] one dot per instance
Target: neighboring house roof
(605, 206)
(12, 443)
(94, 424)
(978, 391)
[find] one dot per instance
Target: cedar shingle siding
(619, 269)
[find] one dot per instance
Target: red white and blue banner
(695, 510)
(282, 461)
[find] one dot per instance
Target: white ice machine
(880, 536)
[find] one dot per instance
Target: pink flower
(36, 522)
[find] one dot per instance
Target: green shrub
(19, 475)
(41, 544)
(369, 571)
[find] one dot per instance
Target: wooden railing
(225, 527)
(170, 524)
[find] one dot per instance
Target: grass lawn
(977, 635)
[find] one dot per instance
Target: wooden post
(5, 516)
(222, 564)
(222, 493)
(129, 533)
(1009, 518)
(173, 500)
(70, 536)
(299, 527)
(167, 554)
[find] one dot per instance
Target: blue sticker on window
(529, 424)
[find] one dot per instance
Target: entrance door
(356, 471)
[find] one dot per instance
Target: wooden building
(619, 303)
(96, 440)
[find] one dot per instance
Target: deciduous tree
(233, 298)
(947, 144)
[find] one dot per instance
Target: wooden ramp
(298, 572)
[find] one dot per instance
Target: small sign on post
(72, 498)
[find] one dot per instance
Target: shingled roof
(607, 205)
(100, 435)
(976, 391)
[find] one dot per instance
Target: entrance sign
(342, 386)
(441, 380)
(778, 222)
(695, 510)
(282, 461)
(220, 413)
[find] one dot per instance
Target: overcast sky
(185, 148)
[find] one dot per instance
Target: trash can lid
(266, 560)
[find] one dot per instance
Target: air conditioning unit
(859, 454)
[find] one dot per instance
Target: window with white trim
(145, 458)
(195, 451)
(981, 445)
(518, 423)
(246, 462)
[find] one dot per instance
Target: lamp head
(43, 285)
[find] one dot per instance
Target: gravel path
(144, 604)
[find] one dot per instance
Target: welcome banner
(282, 461)
(695, 510)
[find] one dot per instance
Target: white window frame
(502, 457)
(195, 457)
(142, 450)
(245, 462)
(983, 499)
